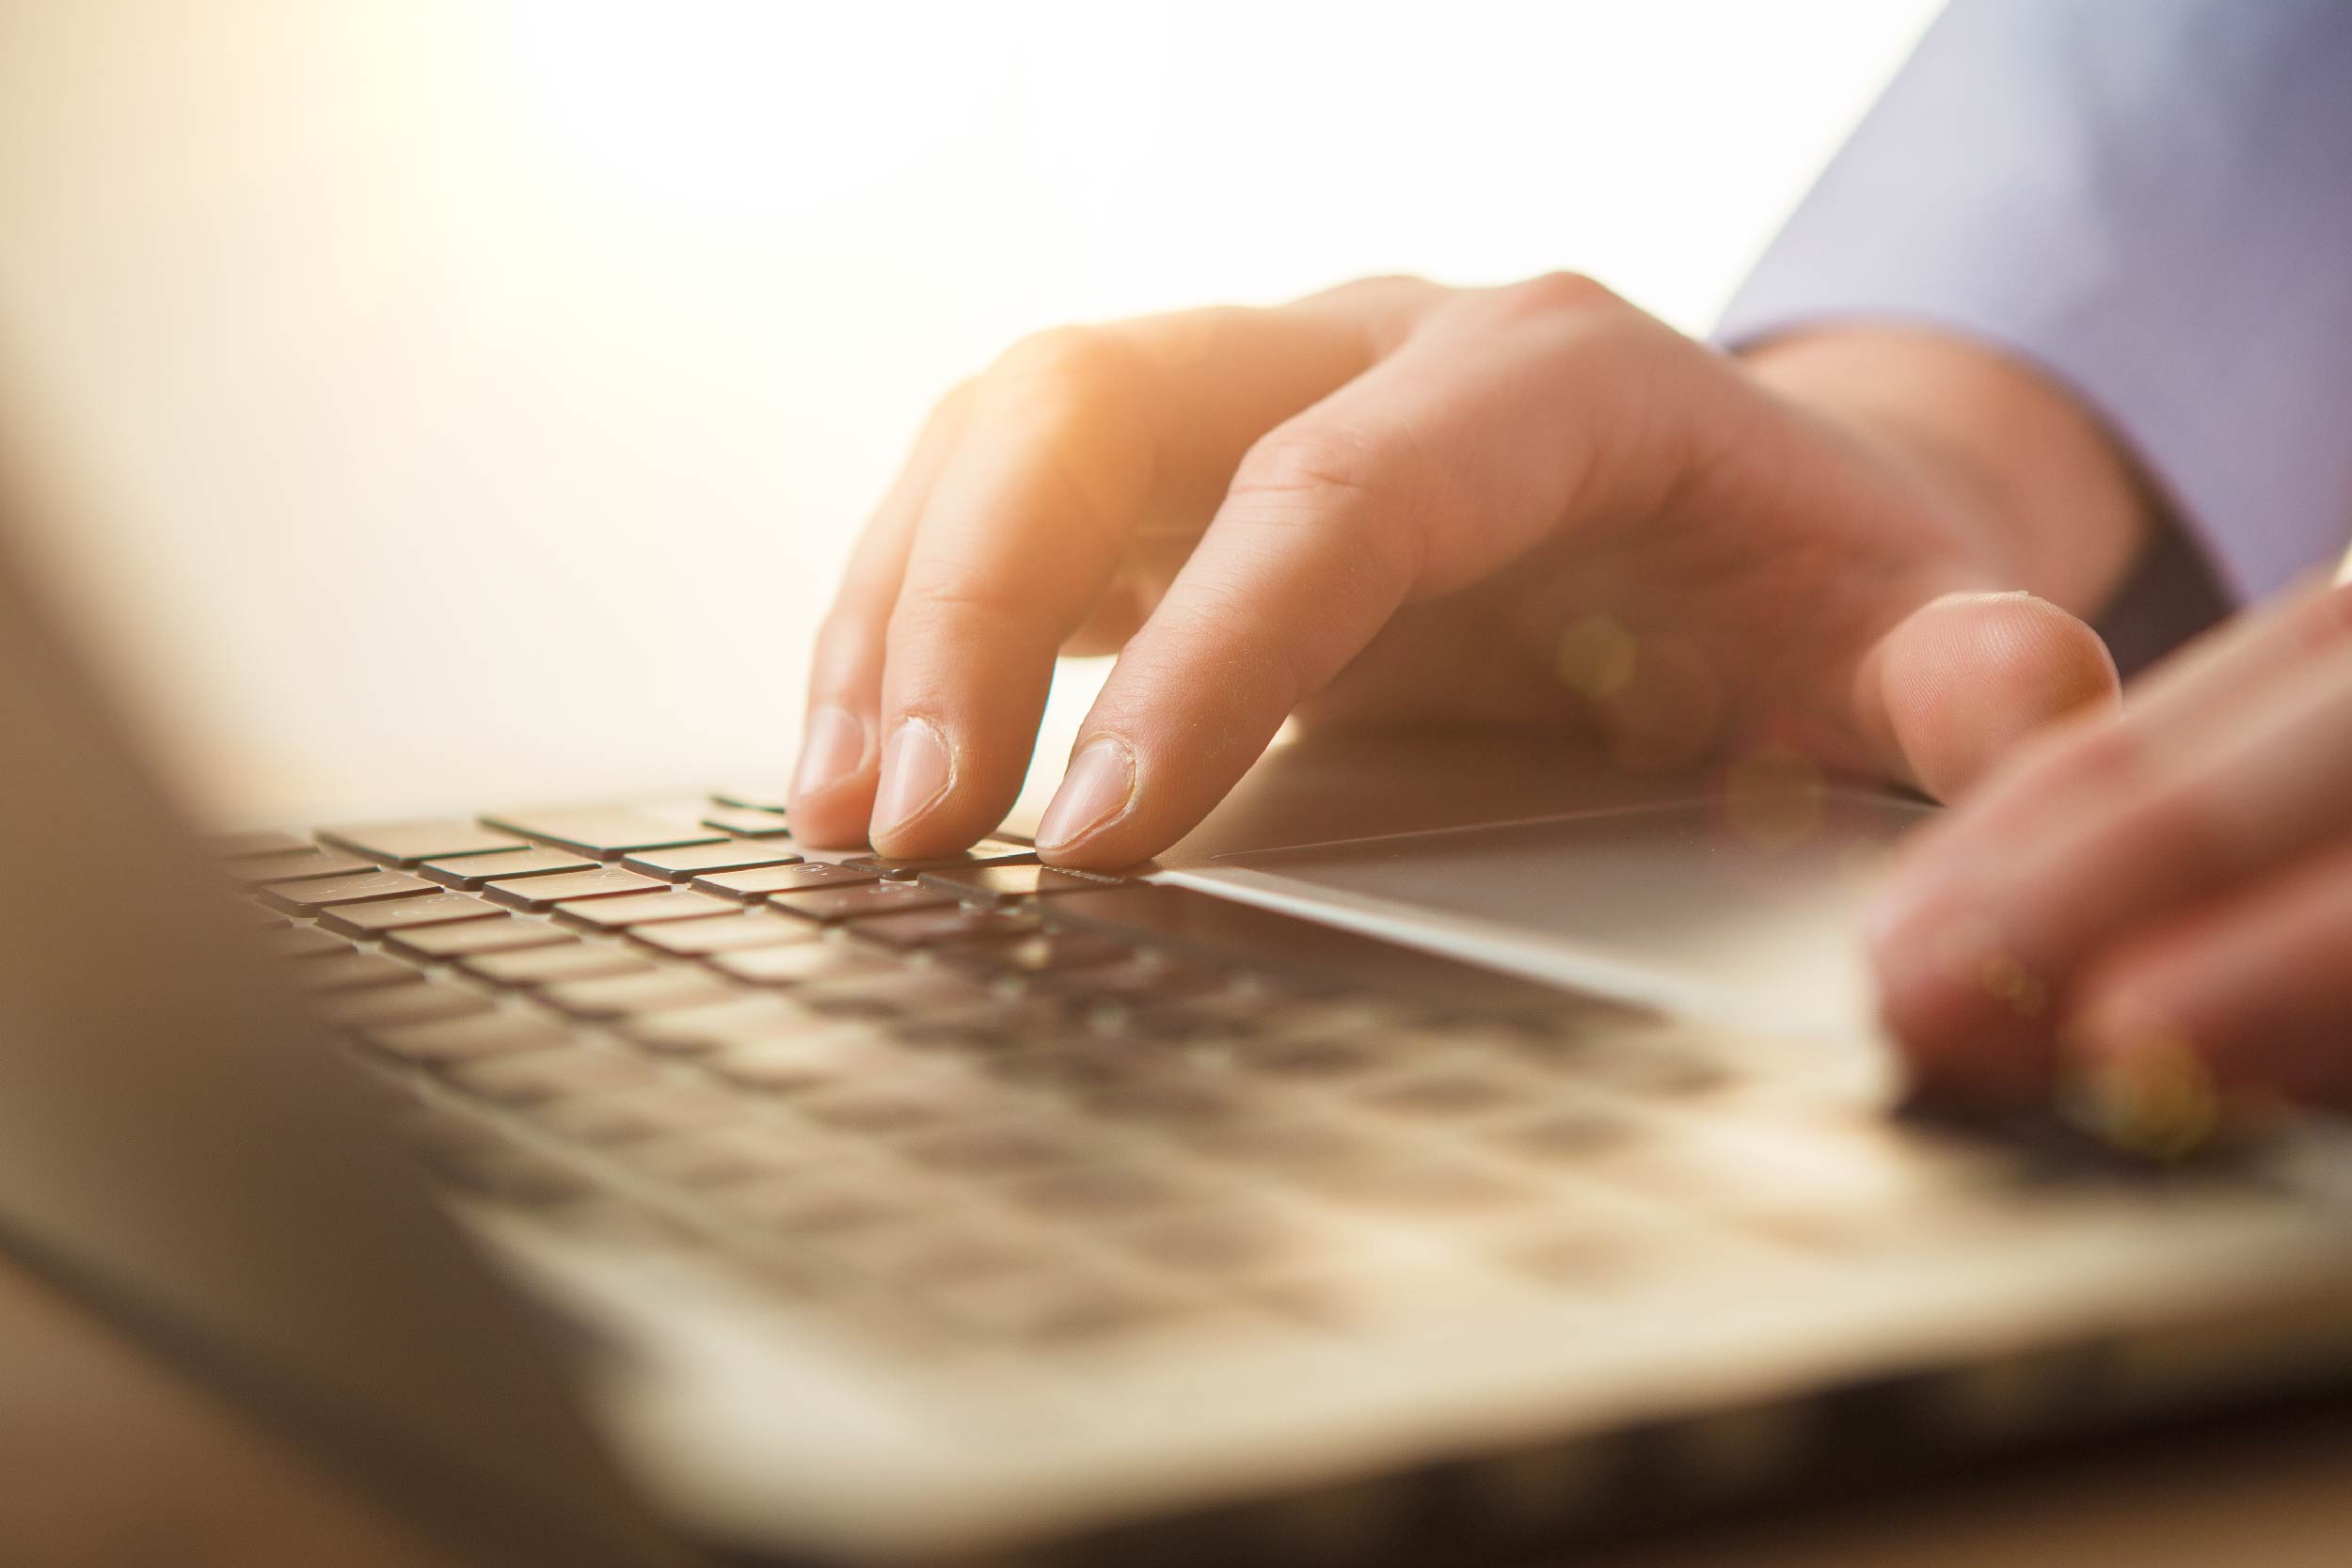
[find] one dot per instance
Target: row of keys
(830, 1022)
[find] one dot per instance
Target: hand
(2160, 907)
(1397, 501)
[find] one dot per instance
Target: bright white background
(471, 400)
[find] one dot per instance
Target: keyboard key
(604, 832)
(354, 972)
(295, 865)
(1234, 1242)
(1103, 1190)
(572, 959)
(882, 1109)
(1415, 1184)
(541, 894)
(791, 1063)
(395, 1005)
(810, 960)
(440, 909)
(648, 1110)
(642, 909)
(302, 942)
(927, 1250)
(1046, 953)
(554, 1072)
(1570, 1136)
(894, 993)
(755, 797)
(724, 933)
(328, 892)
(694, 859)
(802, 1209)
(471, 1039)
(762, 880)
(1010, 880)
(1462, 1093)
(406, 843)
(1003, 1148)
(1373, 1296)
(1341, 1018)
(744, 823)
(620, 995)
(1049, 1307)
(1002, 1024)
(1138, 979)
(1651, 1062)
(268, 841)
(724, 1156)
(856, 900)
(1170, 1102)
(1078, 1066)
(718, 1018)
(952, 923)
(988, 852)
(471, 872)
(1294, 1145)
(1324, 1060)
(500, 933)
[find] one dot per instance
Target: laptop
(619, 1181)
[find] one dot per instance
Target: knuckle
(1383, 282)
(1381, 312)
(1571, 295)
(1332, 474)
(930, 603)
(1320, 458)
(1380, 287)
(1080, 364)
(1075, 401)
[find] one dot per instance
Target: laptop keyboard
(914, 1093)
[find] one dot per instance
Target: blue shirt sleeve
(2152, 201)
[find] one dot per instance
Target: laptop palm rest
(1741, 917)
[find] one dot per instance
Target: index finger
(1070, 443)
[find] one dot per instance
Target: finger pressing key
(1010, 531)
(1019, 538)
(832, 785)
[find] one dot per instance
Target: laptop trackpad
(1749, 917)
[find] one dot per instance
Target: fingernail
(1101, 781)
(914, 772)
(832, 743)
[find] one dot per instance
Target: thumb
(1955, 687)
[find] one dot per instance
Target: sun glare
(736, 108)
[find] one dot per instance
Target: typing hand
(1399, 501)
(2157, 909)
